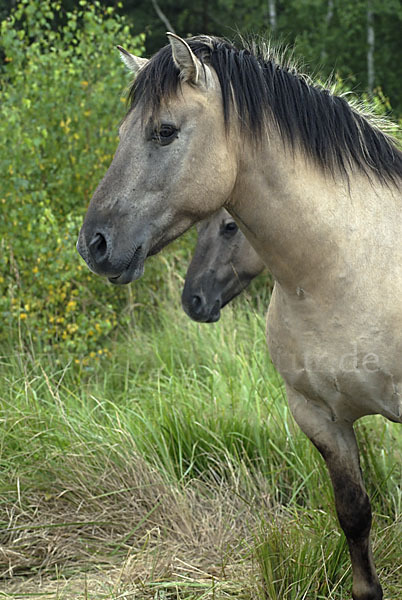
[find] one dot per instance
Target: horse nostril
(196, 303)
(98, 247)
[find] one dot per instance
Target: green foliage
(61, 103)
(333, 38)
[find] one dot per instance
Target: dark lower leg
(354, 514)
(337, 443)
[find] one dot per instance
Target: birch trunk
(328, 19)
(162, 16)
(272, 14)
(370, 48)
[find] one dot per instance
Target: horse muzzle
(119, 265)
(201, 309)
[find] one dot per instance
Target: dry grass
(140, 535)
(152, 540)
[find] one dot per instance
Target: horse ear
(185, 59)
(133, 63)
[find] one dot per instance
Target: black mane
(330, 131)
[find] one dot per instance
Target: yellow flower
(35, 270)
(23, 316)
(71, 305)
(84, 84)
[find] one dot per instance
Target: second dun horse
(316, 188)
(223, 265)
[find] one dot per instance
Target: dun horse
(223, 265)
(315, 187)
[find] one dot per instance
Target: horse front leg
(336, 442)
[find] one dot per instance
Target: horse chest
(352, 369)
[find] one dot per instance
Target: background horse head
(223, 265)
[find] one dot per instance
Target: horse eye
(230, 227)
(165, 134)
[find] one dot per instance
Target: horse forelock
(265, 88)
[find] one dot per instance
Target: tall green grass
(176, 461)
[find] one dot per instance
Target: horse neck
(295, 215)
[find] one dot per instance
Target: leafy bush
(61, 88)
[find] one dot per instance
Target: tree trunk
(328, 19)
(370, 48)
(162, 16)
(272, 14)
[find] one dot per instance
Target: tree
(370, 48)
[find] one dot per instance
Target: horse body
(316, 190)
(336, 304)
